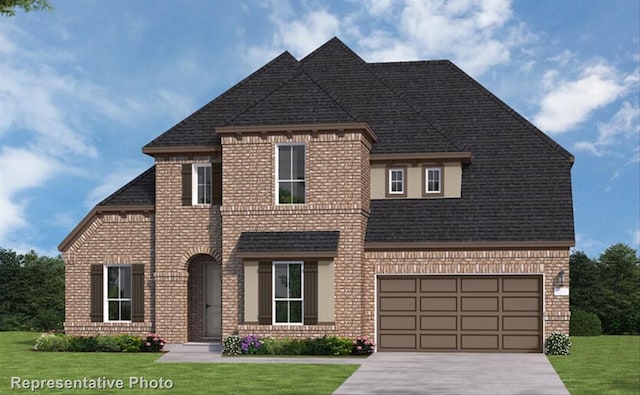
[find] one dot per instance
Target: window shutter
(97, 294)
(186, 184)
(137, 294)
(311, 293)
(216, 179)
(264, 293)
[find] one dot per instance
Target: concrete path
(454, 373)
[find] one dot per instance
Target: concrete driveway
(454, 373)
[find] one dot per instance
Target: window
(117, 286)
(396, 181)
(433, 181)
(287, 292)
(290, 169)
(202, 185)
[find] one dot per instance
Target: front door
(212, 301)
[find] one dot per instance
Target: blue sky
(84, 87)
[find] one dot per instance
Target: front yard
(601, 365)
(17, 360)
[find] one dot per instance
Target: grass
(17, 360)
(601, 365)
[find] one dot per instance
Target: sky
(85, 86)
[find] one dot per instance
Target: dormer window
(433, 183)
(397, 181)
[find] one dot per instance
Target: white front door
(212, 301)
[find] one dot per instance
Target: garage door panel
(479, 323)
(520, 323)
(439, 304)
(480, 342)
(398, 322)
(468, 313)
(438, 285)
(396, 303)
(521, 342)
(520, 285)
(398, 285)
(470, 303)
(439, 342)
(520, 303)
(479, 284)
(439, 323)
(398, 341)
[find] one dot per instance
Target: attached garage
(460, 313)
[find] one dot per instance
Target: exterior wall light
(561, 278)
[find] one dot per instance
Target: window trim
(288, 299)
(388, 192)
(194, 184)
(105, 288)
(277, 173)
(425, 181)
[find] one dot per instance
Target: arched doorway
(205, 299)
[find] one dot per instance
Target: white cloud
(622, 128)
(475, 34)
(569, 103)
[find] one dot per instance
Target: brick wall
(182, 232)
(545, 262)
(108, 239)
(336, 199)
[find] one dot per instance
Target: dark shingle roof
(141, 191)
(262, 242)
(517, 187)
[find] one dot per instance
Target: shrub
(362, 346)
(584, 324)
(107, 344)
(292, 347)
(82, 343)
(231, 345)
(153, 343)
(250, 344)
(557, 344)
(272, 346)
(130, 343)
(317, 346)
(51, 342)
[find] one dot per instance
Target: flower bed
(100, 343)
(326, 345)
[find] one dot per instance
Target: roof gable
(299, 101)
(140, 191)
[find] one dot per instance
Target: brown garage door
(460, 313)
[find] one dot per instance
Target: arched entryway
(205, 299)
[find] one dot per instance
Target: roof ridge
(340, 43)
(331, 96)
(437, 128)
(517, 116)
(115, 194)
(226, 93)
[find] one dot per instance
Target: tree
(8, 7)
(31, 291)
(619, 269)
(586, 289)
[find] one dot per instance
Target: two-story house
(330, 196)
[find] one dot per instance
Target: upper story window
(433, 181)
(202, 184)
(117, 290)
(397, 181)
(287, 292)
(290, 173)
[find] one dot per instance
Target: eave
(476, 245)
(464, 157)
(186, 149)
(302, 128)
(73, 235)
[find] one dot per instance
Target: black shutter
(264, 293)
(97, 294)
(311, 293)
(137, 294)
(216, 179)
(186, 184)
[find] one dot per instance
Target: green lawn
(17, 360)
(601, 365)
